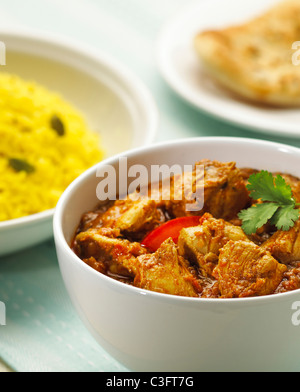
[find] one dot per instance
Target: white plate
(181, 68)
(115, 103)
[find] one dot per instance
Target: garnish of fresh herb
(21, 165)
(57, 125)
(278, 206)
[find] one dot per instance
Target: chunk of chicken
(246, 270)
(178, 193)
(163, 272)
(117, 255)
(143, 216)
(225, 190)
(134, 218)
(106, 215)
(285, 245)
(202, 244)
(166, 272)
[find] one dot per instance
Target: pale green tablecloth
(43, 333)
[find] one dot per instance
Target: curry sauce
(157, 245)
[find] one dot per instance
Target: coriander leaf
(267, 188)
(285, 190)
(285, 218)
(278, 207)
(257, 216)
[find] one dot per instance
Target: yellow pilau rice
(45, 144)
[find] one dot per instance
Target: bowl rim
(137, 86)
(61, 242)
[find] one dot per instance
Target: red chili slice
(170, 229)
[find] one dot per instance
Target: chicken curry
(158, 246)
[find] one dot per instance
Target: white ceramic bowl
(115, 103)
(148, 331)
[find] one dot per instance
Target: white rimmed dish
(182, 70)
(148, 331)
(114, 101)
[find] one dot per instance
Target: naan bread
(255, 60)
